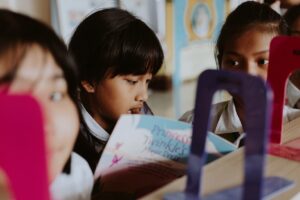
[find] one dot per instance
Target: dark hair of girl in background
(244, 17)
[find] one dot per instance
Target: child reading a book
(35, 61)
(117, 55)
(243, 46)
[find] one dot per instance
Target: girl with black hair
(243, 46)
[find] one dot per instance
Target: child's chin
(58, 160)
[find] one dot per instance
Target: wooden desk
(228, 170)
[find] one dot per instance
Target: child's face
(113, 97)
(248, 53)
(39, 74)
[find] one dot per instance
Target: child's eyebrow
(231, 53)
(262, 52)
(237, 54)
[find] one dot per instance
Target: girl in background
(243, 46)
(33, 60)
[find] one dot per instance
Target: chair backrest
(257, 97)
(22, 147)
(284, 59)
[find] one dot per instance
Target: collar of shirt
(229, 121)
(292, 94)
(94, 128)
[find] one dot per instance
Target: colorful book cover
(145, 152)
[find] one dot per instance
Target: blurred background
(187, 30)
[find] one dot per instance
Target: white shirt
(293, 95)
(95, 130)
(77, 185)
(224, 118)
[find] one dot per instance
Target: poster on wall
(196, 26)
(153, 13)
(67, 14)
(143, 9)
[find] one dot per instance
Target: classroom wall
(39, 9)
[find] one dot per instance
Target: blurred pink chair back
(284, 59)
(22, 147)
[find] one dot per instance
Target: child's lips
(135, 111)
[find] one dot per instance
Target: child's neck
(107, 124)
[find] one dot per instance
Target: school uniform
(93, 138)
(226, 123)
(76, 184)
(293, 95)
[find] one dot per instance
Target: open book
(145, 152)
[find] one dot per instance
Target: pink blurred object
(22, 147)
(284, 59)
(289, 150)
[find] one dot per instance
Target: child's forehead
(252, 33)
(37, 65)
(33, 62)
(253, 42)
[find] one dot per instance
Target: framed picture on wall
(67, 14)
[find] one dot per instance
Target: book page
(145, 152)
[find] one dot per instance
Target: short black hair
(113, 42)
(19, 32)
(246, 16)
(291, 15)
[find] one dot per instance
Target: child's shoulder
(216, 109)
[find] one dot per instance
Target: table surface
(228, 171)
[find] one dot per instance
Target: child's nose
(142, 94)
(252, 70)
(256, 71)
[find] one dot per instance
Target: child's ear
(87, 87)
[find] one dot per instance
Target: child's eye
(263, 61)
(232, 63)
(148, 81)
(131, 82)
(56, 96)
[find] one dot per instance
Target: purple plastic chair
(22, 147)
(257, 97)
